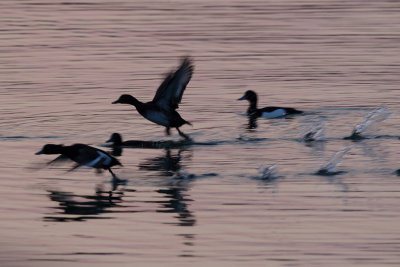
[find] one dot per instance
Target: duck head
(51, 149)
(250, 95)
(116, 139)
(126, 99)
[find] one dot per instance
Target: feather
(169, 94)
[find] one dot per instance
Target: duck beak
(39, 152)
(115, 102)
(242, 98)
(109, 140)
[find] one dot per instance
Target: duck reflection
(252, 122)
(177, 202)
(73, 207)
(175, 191)
(176, 188)
(317, 148)
(168, 164)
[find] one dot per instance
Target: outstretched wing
(169, 94)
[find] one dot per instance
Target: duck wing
(60, 159)
(87, 155)
(169, 94)
(83, 154)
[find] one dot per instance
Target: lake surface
(62, 63)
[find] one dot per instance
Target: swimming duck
(267, 112)
(83, 155)
(162, 109)
(116, 140)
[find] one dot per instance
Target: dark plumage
(162, 109)
(83, 155)
(267, 112)
(116, 140)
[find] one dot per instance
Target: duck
(267, 112)
(116, 141)
(83, 155)
(162, 109)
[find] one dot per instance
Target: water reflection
(317, 148)
(177, 202)
(252, 122)
(74, 207)
(175, 193)
(374, 150)
(168, 164)
(337, 181)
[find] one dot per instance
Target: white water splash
(266, 172)
(315, 133)
(372, 119)
(335, 161)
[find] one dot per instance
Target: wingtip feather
(187, 62)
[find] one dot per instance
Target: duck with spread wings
(162, 109)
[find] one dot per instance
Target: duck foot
(182, 134)
(116, 181)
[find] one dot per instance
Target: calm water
(62, 63)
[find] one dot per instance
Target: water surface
(64, 62)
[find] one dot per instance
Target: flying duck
(83, 155)
(162, 109)
(267, 112)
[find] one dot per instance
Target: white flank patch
(102, 156)
(274, 114)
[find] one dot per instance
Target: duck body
(116, 142)
(267, 112)
(274, 112)
(162, 109)
(153, 112)
(83, 155)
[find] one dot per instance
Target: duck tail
(294, 111)
(117, 162)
